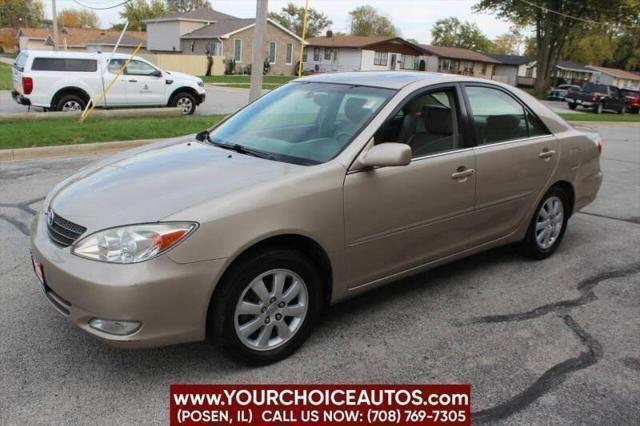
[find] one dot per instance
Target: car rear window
(21, 61)
(64, 64)
(592, 88)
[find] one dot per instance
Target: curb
(129, 113)
(70, 150)
(629, 124)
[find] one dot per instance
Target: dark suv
(598, 97)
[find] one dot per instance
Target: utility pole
(257, 54)
(55, 24)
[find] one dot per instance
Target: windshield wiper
(240, 149)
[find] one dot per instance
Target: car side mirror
(157, 73)
(387, 155)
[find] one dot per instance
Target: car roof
(387, 79)
(73, 55)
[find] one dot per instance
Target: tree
(138, 10)
(183, 6)
(508, 43)
(553, 21)
(451, 32)
(21, 13)
(78, 18)
(292, 16)
(367, 21)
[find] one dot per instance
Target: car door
(145, 84)
(398, 218)
(117, 94)
(515, 157)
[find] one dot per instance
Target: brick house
(454, 60)
(203, 31)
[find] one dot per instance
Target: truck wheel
(185, 101)
(70, 103)
(598, 108)
(572, 106)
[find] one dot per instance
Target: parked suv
(598, 97)
(559, 93)
(66, 81)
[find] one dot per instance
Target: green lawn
(5, 77)
(243, 81)
(47, 132)
(620, 118)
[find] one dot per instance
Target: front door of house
(393, 62)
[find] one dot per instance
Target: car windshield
(302, 123)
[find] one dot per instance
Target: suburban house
(454, 60)
(78, 39)
(33, 38)
(337, 53)
(206, 31)
(615, 77)
(8, 40)
(566, 72)
(509, 68)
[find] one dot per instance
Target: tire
(531, 246)
(598, 108)
(184, 100)
(70, 103)
(572, 106)
(226, 321)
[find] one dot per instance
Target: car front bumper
(201, 98)
(169, 299)
(20, 98)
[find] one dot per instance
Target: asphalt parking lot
(551, 342)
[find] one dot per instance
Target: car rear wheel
(185, 101)
(598, 108)
(573, 106)
(266, 306)
(70, 103)
(547, 226)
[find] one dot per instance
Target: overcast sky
(414, 18)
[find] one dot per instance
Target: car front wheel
(266, 306)
(185, 101)
(547, 226)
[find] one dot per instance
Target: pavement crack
(548, 380)
(25, 206)
(587, 295)
(15, 222)
(635, 219)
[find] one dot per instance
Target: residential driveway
(554, 342)
(220, 100)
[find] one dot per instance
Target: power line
(122, 3)
(576, 18)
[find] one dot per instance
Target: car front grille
(61, 231)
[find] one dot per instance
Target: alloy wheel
(71, 105)
(549, 222)
(271, 309)
(185, 105)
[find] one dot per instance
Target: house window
(237, 50)
(380, 58)
(304, 55)
(316, 54)
(468, 68)
(289, 56)
(327, 53)
(193, 46)
(272, 52)
(409, 62)
(529, 72)
(444, 65)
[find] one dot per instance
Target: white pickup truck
(66, 81)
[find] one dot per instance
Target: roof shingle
(627, 75)
(458, 53)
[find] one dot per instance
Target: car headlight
(201, 83)
(133, 243)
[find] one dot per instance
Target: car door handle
(462, 174)
(546, 154)
(133, 81)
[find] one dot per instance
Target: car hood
(157, 181)
(182, 76)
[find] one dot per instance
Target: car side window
(140, 68)
(535, 126)
(428, 123)
(497, 117)
(115, 65)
